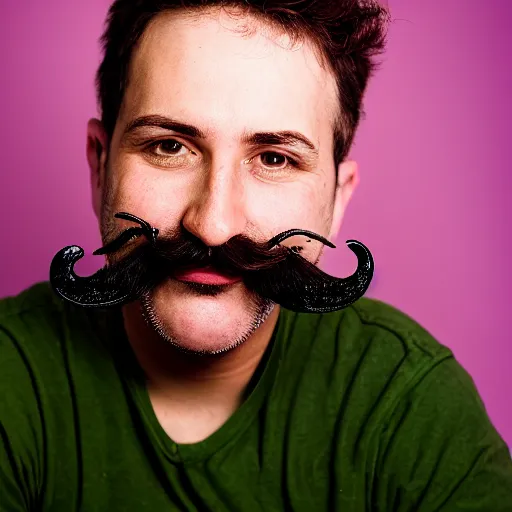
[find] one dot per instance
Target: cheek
(279, 209)
(291, 206)
(147, 193)
(127, 193)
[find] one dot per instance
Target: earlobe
(97, 148)
(348, 179)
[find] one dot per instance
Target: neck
(220, 378)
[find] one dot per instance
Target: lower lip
(205, 277)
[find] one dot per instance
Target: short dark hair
(347, 34)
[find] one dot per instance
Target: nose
(216, 211)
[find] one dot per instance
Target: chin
(204, 319)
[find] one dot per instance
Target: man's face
(222, 182)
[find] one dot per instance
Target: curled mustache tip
(359, 248)
(148, 230)
(145, 229)
(133, 218)
(118, 242)
(293, 232)
(318, 292)
(81, 291)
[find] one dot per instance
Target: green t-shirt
(357, 410)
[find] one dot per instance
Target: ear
(348, 179)
(97, 152)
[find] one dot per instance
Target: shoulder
(393, 352)
(39, 333)
(41, 343)
(34, 326)
(380, 360)
(30, 327)
(397, 400)
(371, 328)
(38, 300)
(374, 353)
(435, 435)
(32, 322)
(415, 376)
(405, 334)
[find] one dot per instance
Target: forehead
(209, 70)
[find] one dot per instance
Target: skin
(210, 71)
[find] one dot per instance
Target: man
(202, 395)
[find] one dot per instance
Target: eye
(275, 160)
(168, 153)
(274, 165)
(166, 147)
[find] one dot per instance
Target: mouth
(205, 276)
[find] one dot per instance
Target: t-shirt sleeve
(20, 429)
(440, 452)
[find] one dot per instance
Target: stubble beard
(260, 310)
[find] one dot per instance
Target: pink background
(433, 150)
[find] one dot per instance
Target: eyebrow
(287, 137)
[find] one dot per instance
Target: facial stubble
(259, 310)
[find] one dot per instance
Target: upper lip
(207, 270)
